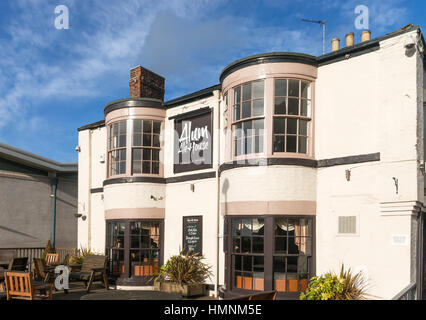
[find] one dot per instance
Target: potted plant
(185, 273)
(330, 286)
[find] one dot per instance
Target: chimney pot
(350, 39)
(366, 36)
(335, 44)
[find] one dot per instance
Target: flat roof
(35, 161)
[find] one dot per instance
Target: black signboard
(193, 145)
(193, 233)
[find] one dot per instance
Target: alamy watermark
(62, 21)
(362, 20)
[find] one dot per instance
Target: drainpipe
(54, 187)
(89, 199)
(218, 197)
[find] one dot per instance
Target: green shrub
(79, 256)
(345, 286)
(185, 269)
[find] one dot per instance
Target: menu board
(193, 141)
(193, 233)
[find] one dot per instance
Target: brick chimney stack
(146, 84)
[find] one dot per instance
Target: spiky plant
(47, 249)
(78, 257)
(185, 268)
(355, 286)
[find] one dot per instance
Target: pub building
(290, 166)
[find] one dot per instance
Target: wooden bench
(20, 285)
(266, 295)
(92, 269)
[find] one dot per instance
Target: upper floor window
(117, 148)
(292, 114)
(248, 118)
(146, 147)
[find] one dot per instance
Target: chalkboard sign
(193, 233)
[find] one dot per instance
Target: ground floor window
(134, 249)
(269, 253)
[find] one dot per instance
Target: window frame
(234, 122)
(299, 117)
(269, 253)
(118, 149)
(142, 147)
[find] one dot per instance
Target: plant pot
(187, 290)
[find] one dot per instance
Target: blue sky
(54, 81)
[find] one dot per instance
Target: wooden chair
(16, 264)
(52, 258)
(40, 271)
(92, 269)
(20, 285)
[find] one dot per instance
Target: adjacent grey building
(29, 203)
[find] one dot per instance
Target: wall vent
(347, 225)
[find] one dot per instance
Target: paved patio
(98, 292)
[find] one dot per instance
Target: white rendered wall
(367, 104)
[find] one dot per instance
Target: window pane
(293, 106)
(306, 227)
(247, 263)
(280, 88)
(258, 264)
(155, 167)
(246, 91)
(137, 125)
(137, 139)
(238, 147)
(280, 245)
(156, 140)
(258, 144)
(238, 265)
(147, 140)
(122, 167)
(303, 145)
(258, 126)
(246, 244)
(258, 227)
(306, 90)
(258, 89)
(122, 141)
(146, 167)
(115, 129)
(146, 154)
(303, 127)
(238, 130)
(237, 112)
(147, 126)
(137, 167)
(292, 265)
(236, 245)
(305, 106)
(248, 147)
(246, 110)
(122, 154)
(137, 154)
(278, 143)
(279, 125)
(237, 95)
(156, 155)
(281, 227)
(122, 127)
(292, 126)
(293, 88)
(257, 108)
(157, 127)
(291, 143)
(293, 247)
(280, 105)
(257, 245)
